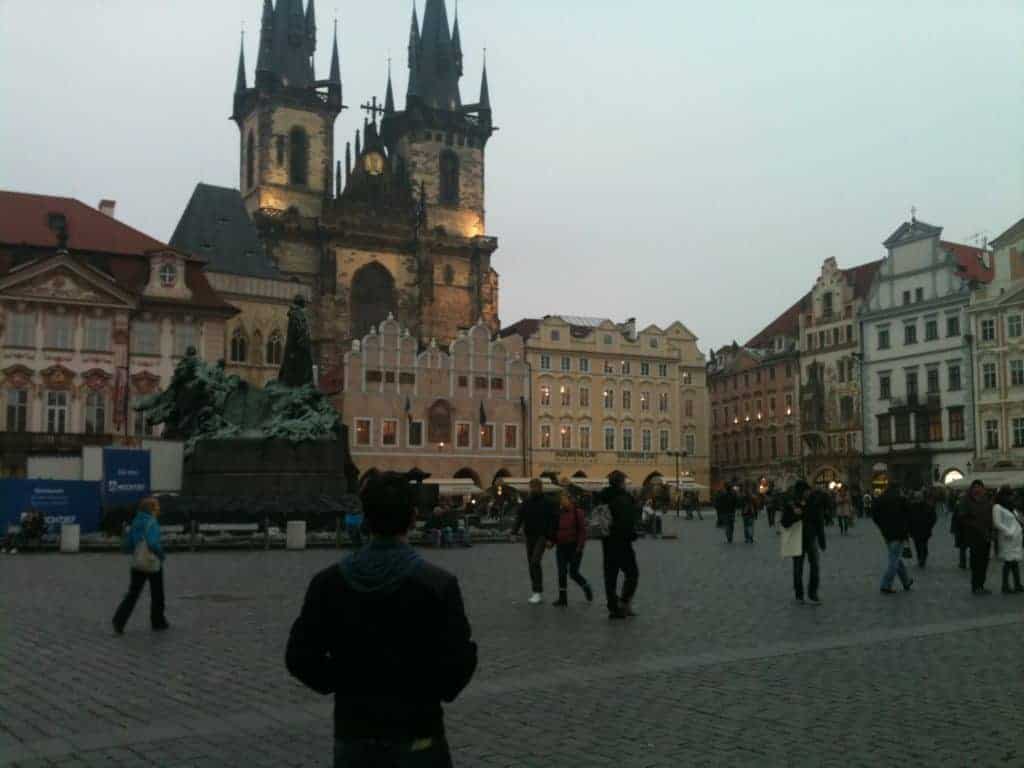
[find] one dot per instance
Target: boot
(562, 600)
(588, 593)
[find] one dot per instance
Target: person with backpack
(143, 543)
(570, 538)
(386, 634)
(616, 506)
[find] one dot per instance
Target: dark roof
(861, 277)
(971, 261)
(25, 220)
(216, 227)
(1014, 232)
(786, 324)
(435, 61)
(525, 328)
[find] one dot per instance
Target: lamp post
(677, 455)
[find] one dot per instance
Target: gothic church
(394, 227)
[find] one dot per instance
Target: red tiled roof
(971, 260)
(861, 277)
(24, 220)
(786, 324)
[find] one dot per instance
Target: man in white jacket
(1009, 526)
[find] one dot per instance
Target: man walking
(806, 510)
(617, 547)
(538, 519)
(143, 543)
(923, 517)
(387, 634)
(976, 525)
(725, 505)
(892, 516)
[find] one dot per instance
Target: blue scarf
(381, 567)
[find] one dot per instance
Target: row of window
(56, 414)
(608, 395)
(729, 451)
(625, 367)
(992, 431)
(566, 437)
(910, 337)
(390, 437)
(59, 333)
(608, 339)
(721, 386)
(990, 375)
(240, 350)
(1014, 328)
(749, 413)
(954, 382)
(904, 428)
(834, 338)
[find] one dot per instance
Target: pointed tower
(287, 119)
(389, 94)
(457, 42)
(240, 82)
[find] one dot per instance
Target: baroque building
(918, 391)
(394, 227)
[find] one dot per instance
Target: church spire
(311, 25)
(457, 41)
(240, 84)
(389, 94)
(265, 60)
(485, 89)
(334, 80)
(436, 64)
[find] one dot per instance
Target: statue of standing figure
(297, 366)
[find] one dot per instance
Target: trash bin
(296, 538)
(70, 537)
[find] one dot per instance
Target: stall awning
(522, 484)
(686, 485)
(592, 485)
(454, 487)
(1013, 478)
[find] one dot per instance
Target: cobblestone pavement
(720, 669)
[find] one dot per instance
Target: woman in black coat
(957, 529)
(922, 521)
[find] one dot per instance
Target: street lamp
(677, 455)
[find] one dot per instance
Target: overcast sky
(670, 160)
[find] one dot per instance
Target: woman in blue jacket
(143, 543)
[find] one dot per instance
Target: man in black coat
(922, 520)
(617, 547)
(807, 507)
(726, 503)
(387, 634)
(538, 518)
(892, 516)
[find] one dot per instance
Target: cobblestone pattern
(721, 668)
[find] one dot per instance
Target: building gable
(63, 280)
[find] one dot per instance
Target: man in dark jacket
(365, 629)
(725, 505)
(922, 520)
(617, 547)
(538, 517)
(807, 507)
(892, 516)
(976, 525)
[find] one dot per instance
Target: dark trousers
(729, 523)
(771, 518)
(1011, 569)
(844, 525)
(979, 563)
(813, 557)
(156, 598)
(369, 753)
(619, 556)
(963, 557)
(534, 554)
(921, 547)
(568, 558)
(748, 530)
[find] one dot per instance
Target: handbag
(600, 521)
(143, 559)
(792, 540)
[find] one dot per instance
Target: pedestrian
(725, 505)
(147, 566)
(750, 503)
(386, 633)
(537, 518)
(1009, 525)
(354, 526)
(923, 517)
(692, 506)
(617, 547)
(773, 506)
(892, 516)
(570, 538)
(866, 505)
(803, 521)
(976, 521)
(844, 511)
(957, 529)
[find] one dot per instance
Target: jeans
(568, 558)
(619, 556)
(156, 598)
(748, 530)
(534, 554)
(813, 557)
(369, 753)
(979, 564)
(896, 566)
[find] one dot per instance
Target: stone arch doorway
(373, 298)
(580, 475)
(501, 474)
(467, 474)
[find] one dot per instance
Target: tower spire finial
(485, 89)
(334, 91)
(389, 94)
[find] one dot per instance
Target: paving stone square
(720, 668)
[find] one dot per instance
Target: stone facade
(606, 397)
(917, 388)
(456, 412)
(996, 317)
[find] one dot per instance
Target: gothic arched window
(250, 161)
(373, 298)
(239, 347)
(274, 349)
(449, 178)
(257, 347)
(299, 161)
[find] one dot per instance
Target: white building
(916, 359)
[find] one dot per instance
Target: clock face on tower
(373, 163)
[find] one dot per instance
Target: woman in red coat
(570, 538)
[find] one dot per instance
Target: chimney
(107, 207)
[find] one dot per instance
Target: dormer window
(168, 275)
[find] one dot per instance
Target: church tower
(286, 120)
(439, 140)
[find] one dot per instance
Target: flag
(483, 414)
